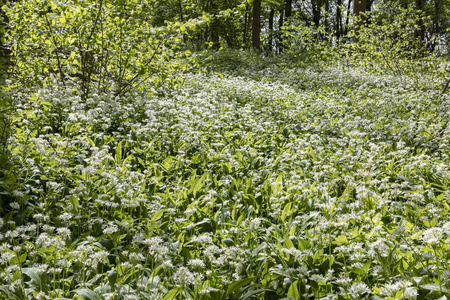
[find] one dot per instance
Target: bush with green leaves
(393, 41)
(308, 44)
(105, 44)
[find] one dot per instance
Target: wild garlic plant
(265, 183)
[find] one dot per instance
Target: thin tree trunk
(207, 27)
(288, 9)
(327, 17)
(4, 51)
(436, 16)
(316, 13)
(223, 30)
(215, 34)
(359, 9)
(280, 26)
(244, 38)
(180, 6)
(420, 32)
(347, 18)
(215, 26)
(270, 42)
(256, 28)
(338, 19)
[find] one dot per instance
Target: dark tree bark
(4, 51)
(327, 16)
(436, 26)
(226, 36)
(180, 6)
(316, 12)
(436, 16)
(359, 9)
(288, 9)
(244, 37)
(420, 32)
(256, 28)
(270, 42)
(338, 19)
(215, 26)
(280, 38)
(347, 18)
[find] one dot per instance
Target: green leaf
(434, 287)
(286, 211)
(33, 274)
(172, 293)
(112, 278)
(118, 155)
(367, 266)
(158, 215)
(340, 240)
(22, 258)
(293, 290)
(87, 294)
(90, 141)
(303, 244)
(75, 203)
(236, 285)
(167, 162)
(250, 294)
(288, 244)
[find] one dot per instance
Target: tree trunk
(180, 6)
(316, 12)
(256, 28)
(436, 16)
(214, 27)
(288, 9)
(327, 17)
(348, 16)
(338, 19)
(359, 9)
(419, 34)
(280, 26)
(215, 34)
(226, 36)
(270, 42)
(4, 51)
(244, 37)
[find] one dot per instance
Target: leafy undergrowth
(289, 183)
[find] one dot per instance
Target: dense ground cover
(256, 183)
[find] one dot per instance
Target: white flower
(167, 265)
(110, 229)
(183, 277)
(14, 205)
(99, 257)
(65, 217)
(432, 236)
(196, 263)
(410, 293)
(41, 296)
(63, 231)
(358, 289)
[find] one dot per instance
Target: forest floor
(247, 182)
